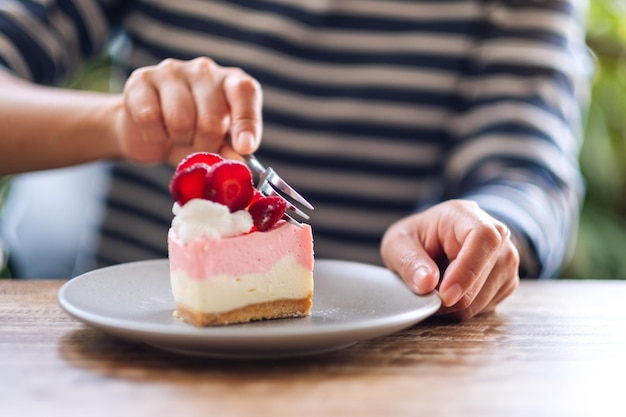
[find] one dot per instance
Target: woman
(424, 133)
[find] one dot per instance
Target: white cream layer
(221, 293)
(201, 217)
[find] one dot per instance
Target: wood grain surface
(555, 348)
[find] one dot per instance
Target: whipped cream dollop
(199, 217)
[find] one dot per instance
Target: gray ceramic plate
(352, 302)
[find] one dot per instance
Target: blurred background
(601, 248)
(600, 252)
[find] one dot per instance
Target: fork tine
(270, 183)
(275, 180)
(279, 183)
(265, 187)
(292, 220)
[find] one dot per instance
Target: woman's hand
(178, 107)
(474, 251)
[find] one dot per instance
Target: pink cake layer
(250, 253)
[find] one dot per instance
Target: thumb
(403, 253)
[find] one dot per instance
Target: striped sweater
(373, 109)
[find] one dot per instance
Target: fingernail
(452, 295)
(418, 279)
(245, 143)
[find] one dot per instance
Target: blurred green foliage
(601, 247)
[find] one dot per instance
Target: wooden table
(555, 348)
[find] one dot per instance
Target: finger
(179, 111)
(177, 153)
(474, 300)
(244, 96)
(479, 248)
(403, 253)
(498, 286)
(228, 153)
(497, 283)
(509, 262)
(501, 295)
(213, 112)
(143, 107)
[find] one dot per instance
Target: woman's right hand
(177, 107)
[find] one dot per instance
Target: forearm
(45, 127)
(519, 133)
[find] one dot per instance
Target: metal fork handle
(254, 164)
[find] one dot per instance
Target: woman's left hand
(473, 250)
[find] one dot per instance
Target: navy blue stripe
(357, 237)
(536, 101)
(375, 205)
(140, 182)
(86, 43)
(36, 10)
(559, 6)
(514, 128)
(43, 69)
(492, 32)
(406, 94)
(160, 52)
(363, 128)
(103, 261)
(326, 20)
(541, 176)
(284, 46)
(114, 11)
(339, 164)
(163, 223)
(522, 70)
(159, 251)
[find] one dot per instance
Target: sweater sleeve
(45, 42)
(518, 128)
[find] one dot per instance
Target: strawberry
(209, 176)
(267, 211)
(256, 195)
(189, 183)
(197, 157)
(230, 183)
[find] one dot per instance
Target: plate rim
(153, 334)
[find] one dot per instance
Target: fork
(271, 184)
